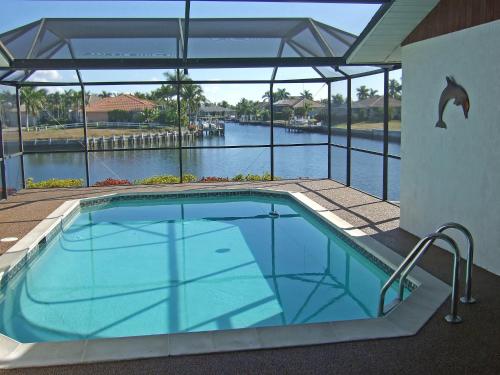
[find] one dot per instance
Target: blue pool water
(161, 266)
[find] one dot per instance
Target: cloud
(46, 76)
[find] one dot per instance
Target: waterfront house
(212, 110)
(296, 107)
(121, 108)
(372, 109)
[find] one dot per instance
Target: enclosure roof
(99, 43)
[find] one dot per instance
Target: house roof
(376, 101)
(297, 102)
(124, 102)
(215, 108)
(382, 40)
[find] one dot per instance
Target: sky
(349, 17)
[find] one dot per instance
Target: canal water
(290, 162)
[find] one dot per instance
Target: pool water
(147, 267)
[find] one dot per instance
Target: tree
(140, 95)
(395, 89)
(338, 99)
(164, 92)
(243, 108)
(72, 101)
(281, 94)
(372, 93)
(306, 94)
(362, 92)
(34, 101)
(192, 96)
(105, 94)
(149, 115)
(267, 96)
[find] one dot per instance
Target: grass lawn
(78, 133)
(394, 125)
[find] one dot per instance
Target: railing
(415, 255)
(467, 297)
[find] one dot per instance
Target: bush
(155, 180)
(238, 177)
(112, 182)
(214, 179)
(255, 177)
(189, 178)
(54, 183)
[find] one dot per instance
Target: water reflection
(290, 162)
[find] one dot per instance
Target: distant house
(296, 103)
(99, 110)
(210, 110)
(373, 108)
(11, 117)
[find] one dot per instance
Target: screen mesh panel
(164, 38)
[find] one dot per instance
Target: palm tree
(281, 94)
(267, 96)
(395, 89)
(140, 95)
(105, 94)
(34, 101)
(192, 95)
(338, 99)
(243, 108)
(362, 92)
(73, 101)
(372, 93)
(306, 94)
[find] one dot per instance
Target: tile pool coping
(404, 320)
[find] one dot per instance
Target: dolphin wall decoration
(452, 91)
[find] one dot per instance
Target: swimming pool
(191, 263)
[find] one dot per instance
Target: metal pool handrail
(467, 297)
(410, 261)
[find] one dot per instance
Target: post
(271, 103)
(329, 130)
(179, 129)
(386, 136)
(85, 135)
(19, 128)
(349, 133)
(2, 156)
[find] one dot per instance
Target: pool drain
(274, 214)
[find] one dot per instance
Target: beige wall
(97, 116)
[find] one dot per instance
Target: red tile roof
(124, 102)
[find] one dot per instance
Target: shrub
(112, 182)
(253, 177)
(54, 183)
(214, 179)
(238, 177)
(154, 180)
(189, 178)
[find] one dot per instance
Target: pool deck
(472, 347)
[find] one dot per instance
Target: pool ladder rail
(416, 254)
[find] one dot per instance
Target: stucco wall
(97, 116)
(453, 174)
